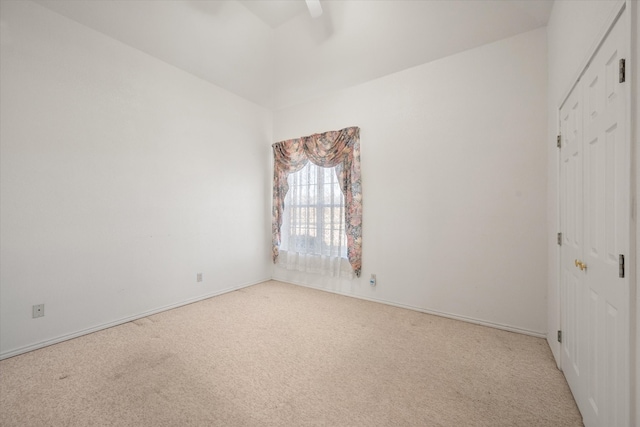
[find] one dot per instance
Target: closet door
(595, 222)
(606, 219)
(571, 224)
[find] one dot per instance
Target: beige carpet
(281, 355)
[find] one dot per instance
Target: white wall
(454, 187)
(121, 178)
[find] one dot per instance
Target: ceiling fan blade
(315, 9)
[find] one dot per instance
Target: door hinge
(559, 336)
(622, 70)
(559, 141)
(559, 239)
(621, 266)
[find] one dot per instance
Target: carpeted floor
(276, 354)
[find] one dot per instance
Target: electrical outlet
(38, 310)
(199, 277)
(373, 280)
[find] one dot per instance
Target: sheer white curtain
(313, 225)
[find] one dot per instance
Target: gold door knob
(581, 265)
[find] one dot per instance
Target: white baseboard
(427, 311)
(61, 338)
(26, 349)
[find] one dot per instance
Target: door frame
(631, 263)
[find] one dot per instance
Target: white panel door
(571, 224)
(606, 219)
(595, 221)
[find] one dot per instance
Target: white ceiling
(273, 53)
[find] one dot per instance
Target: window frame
(306, 226)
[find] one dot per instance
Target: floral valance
(340, 149)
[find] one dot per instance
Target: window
(316, 222)
(313, 221)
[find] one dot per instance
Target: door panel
(606, 220)
(571, 207)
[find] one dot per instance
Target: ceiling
(273, 53)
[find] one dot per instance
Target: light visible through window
(313, 220)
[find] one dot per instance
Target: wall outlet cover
(38, 310)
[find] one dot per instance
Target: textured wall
(122, 178)
(454, 183)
